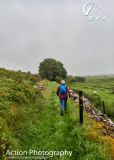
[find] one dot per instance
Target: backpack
(63, 89)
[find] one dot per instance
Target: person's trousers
(63, 105)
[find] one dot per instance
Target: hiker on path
(63, 92)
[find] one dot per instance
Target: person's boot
(61, 114)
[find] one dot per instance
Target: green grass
(103, 93)
(60, 133)
(34, 122)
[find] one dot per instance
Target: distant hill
(100, 76)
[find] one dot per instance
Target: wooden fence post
(104, 107)
(81, 106)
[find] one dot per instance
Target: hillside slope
(30, 119)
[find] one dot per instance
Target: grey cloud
(33, 30)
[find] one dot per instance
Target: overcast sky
(31, 30)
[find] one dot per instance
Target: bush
(19, 97)
(74, 79)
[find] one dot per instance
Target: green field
(104, 87)
(30, 119)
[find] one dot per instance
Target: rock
(86, 104)
(100, 113)
(76, 95)
(93, 112)
(113, 129)
(85, 100)
(105, 132)
(41, 88)
(97, 115)
(104, 120)
(101, 118)
(96, 118)
(88, 109)
(90, 116)
(110, 123)
(76, 101)
(105, 116)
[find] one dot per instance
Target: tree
(52, 70)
